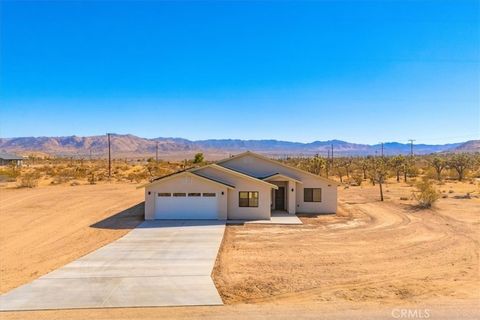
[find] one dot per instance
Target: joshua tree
(438, 164)
(398, 164)
(460, 162)
(380, 173)
(347, 163)
(364, 165)
(317, 163)
(198, 158)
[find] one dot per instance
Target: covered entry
(283, 198)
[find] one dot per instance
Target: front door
(280, 198)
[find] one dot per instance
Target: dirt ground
(370, 260)
(44, 228)
(371, 251)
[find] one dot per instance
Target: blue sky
(359, 71)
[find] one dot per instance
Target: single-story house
(8, 159)
(247, 186)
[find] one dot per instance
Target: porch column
(292, 202)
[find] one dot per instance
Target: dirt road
(370, 252)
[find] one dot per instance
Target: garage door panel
(187, 207)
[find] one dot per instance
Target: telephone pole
(156, 152)
(109, 158)
(382, 148)
(411, 146)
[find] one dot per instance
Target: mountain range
(128, 145)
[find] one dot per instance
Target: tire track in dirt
(390, 253)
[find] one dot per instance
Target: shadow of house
(126, 219)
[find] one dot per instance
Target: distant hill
(132, 146)
(469, 146)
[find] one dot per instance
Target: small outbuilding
(9, 159)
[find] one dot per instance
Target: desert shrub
(403, 198)
(29, 180)
(358, 179)
(9, 173)
(426, 194)
(137, 176)
(91, 178)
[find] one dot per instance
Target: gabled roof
(190, 173)
(279, 175)
(237, 173)
(9, 156)
(259, 156)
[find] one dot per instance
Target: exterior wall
(150, 202)
(292, 196)
(261, 168)
(329, 197)
(8, 162)
(242, 184)
(185, 183)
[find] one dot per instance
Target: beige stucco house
(248, 186)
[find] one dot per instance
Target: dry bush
(426, 194)
(137, 177)
(91, 178)
(29, 180)
(358, 179)
(9, 174)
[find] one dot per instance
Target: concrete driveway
(160, 263)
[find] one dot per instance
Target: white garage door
(179, 205)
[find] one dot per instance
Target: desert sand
(371, 259)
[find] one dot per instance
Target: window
(179, 194)
(194, 194)
(164, 194)
(312, 195)
(209, 194)
(248, 199)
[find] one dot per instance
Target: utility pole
(411, 147)
(382, 149)
(156, 152)
(109, 158)
(327, 166)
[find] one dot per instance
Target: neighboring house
(8, 158)
(247, 186)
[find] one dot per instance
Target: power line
(411, 146)
(109, 158)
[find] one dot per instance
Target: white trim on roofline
(179, 174)
(237, 173)
(279, 163)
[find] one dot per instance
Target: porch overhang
(280, 177)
